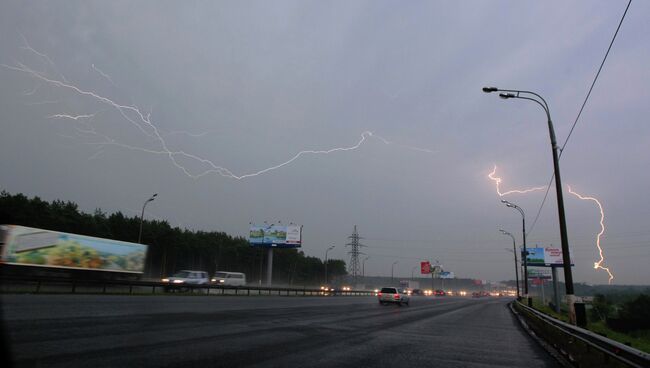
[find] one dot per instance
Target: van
(229, 278)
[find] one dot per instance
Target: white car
(229, 278)
(186, 277)
(393, 295)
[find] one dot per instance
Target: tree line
(170, 248)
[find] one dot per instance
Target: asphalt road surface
(212, 331)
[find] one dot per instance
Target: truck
(27, 247)
(409, 284)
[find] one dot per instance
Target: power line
(584, 103)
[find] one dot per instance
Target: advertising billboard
(276, 236)
(553, 256)
(446, 275)
(536, 273)
(37, 247)
(535, 257)
(425, 267)
(545, 257)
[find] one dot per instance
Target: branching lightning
(497, 182)
(142, 121)
(597, 265)
(108, 78)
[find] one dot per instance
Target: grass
(637, 339)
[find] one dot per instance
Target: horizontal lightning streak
(597, 265)
(497, 182)
(143, 123)
(72, 117)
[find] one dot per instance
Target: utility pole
(354, 252)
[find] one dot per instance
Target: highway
(267, 331)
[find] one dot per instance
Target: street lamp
(525, 253)
(327, 251)
(568, 277)
(514, 250)
(363, 266)
(142, 215)
(392, 267)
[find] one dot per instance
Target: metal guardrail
(74, 285)
(582, 347)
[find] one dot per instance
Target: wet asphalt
(267, 331)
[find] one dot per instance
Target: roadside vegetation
(170, 248)
(621, 316)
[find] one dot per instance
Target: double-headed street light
(524, 256)
(142, 215)
(392, 268)
(568, 277)
(514, 250)
(327, 251)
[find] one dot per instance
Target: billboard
(425, 267)
(536, 273)
(545, 257)
(446, 275)
(535, 257)
(37, 247)
(276, 236)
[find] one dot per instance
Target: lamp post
(327, 251)
(568, 277)
(363, 266)
(525, 253)
(514, 250)
(392, 267)
(142, 215)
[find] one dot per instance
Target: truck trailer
(27, 247)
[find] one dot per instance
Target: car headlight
(178, 281)
(165, 280)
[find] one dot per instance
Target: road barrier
(581, 347)
(22, 284)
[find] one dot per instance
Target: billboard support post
(556, 295)
(269, 266)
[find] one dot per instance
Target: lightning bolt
(386, 141)
(497, 181)
(597, 265)
(108, 78)
(71, 117)
(142, 121)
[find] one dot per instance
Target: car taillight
(396, 296)
(379, 294)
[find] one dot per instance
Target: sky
(162, 92)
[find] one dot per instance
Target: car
(440, 293)
(393, 295)
(225, 278)
(185, 277)
(417, 292)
